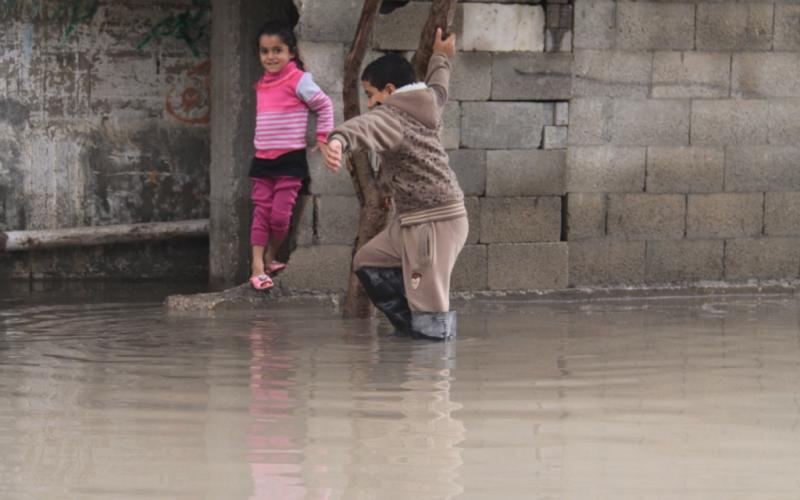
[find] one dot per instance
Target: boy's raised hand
(446, 46)
(332, 155)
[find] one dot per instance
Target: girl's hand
(332, 155)
(446, 46)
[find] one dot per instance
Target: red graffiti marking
(188, 100)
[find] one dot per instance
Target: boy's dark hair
(287, 36)
(390, 68)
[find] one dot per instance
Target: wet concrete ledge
(243, 297)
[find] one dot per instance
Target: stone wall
(682, 158)
(104, 120)
(659, 149)
(505, 129)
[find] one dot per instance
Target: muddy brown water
(104, 395)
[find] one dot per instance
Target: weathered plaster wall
(104, 110)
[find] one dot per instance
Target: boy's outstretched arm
(438, 77)
(375, 131)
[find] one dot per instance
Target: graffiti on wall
(190, 26)
(72, 12)
(76, 12)
(188, 99)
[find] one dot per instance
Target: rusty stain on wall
(188, 100)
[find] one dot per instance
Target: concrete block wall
(505, 129)
(682, 158)
(103, 123)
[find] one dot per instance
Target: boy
(406, 268)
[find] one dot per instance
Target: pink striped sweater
(283, 101)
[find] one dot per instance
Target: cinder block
(337, 219)
(606, 262)
(470, 168)
(787, 27)
(471, 79)
(525, 173)
(685, 169)
(473, 206)
(471, 272)
(780, 214)
(766, 75)
(520, 220)
(554, 137)
(646, 216)
(401, 29)
(684, 261)
(595, 24)
(328, 21)
(605, 169)
(503, 28)
(655, 26)
(319, 267)
(324, 182)
(532, 266)
(519, 77)
(729, 121)
(561, 114)
(691, 74)
(784, 126)
(739, 26)
(504, 125)
(762, 168)
(611, 74)
(305, 226)
(590, 121)
(586, 216)
(651, 122)
(325, 61)
(451, 125)
(727, 215)
(764, 258)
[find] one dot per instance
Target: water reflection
(103, 397)
(364, 416)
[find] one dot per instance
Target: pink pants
(273, 201)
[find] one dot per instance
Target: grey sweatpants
(427, 253)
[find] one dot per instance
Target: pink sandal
(275, 267)
(261, 282)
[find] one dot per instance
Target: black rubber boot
(384, 287)
(434, 325)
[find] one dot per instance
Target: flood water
(103, 395)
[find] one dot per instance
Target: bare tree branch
(441, 16)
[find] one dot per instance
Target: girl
(284, 96)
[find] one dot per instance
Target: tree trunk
(372, 216)
(441, 16)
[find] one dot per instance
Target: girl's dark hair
(287, 36)
(390, 68)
